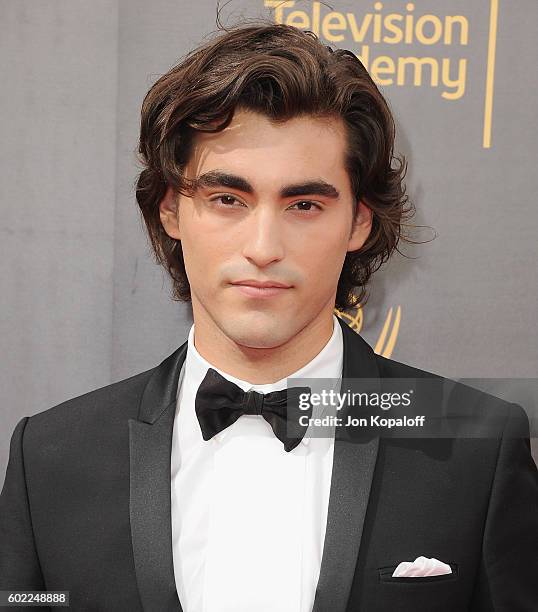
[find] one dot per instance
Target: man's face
(274, 203)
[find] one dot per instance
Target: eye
(226, 200)
(308, 203)
(229, 201)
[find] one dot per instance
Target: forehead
(254, 145)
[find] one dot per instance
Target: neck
(260, 366)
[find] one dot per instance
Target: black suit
(86, 506)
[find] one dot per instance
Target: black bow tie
(220, 402)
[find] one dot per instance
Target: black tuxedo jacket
(86, 506)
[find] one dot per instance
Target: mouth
(261, 289)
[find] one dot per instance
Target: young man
(269, 195)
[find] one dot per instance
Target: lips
(259, 289)
(262, 284)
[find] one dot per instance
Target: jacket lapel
(150, 445)
(352, 474)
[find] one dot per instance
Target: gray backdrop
(83, 303)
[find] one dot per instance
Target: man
(269, 196)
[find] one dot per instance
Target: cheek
(205, 256)
(331, 234)
(199, 258)
(321, 265)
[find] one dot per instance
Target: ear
(362, 226)
(168, 212)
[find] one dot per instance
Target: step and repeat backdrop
(84, 304)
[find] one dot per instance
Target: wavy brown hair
(282, 72)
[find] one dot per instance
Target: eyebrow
(217, 178)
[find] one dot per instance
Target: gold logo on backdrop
(387, 338)
(382, 33)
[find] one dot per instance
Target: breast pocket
(385, 575)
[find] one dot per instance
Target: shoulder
(390, 368)
(107, 407)
(460, 398)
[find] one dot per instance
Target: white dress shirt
(248, 518)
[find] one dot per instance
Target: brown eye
(307, 203)
(226, 200)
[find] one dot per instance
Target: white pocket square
(421, 566)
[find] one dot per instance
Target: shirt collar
(326, 364)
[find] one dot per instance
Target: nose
(263, 242)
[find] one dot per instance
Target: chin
(259, 331)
